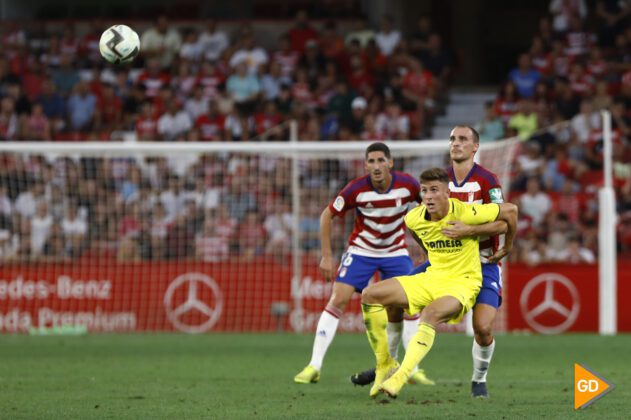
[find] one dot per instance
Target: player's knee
(483, 333)
(338, 301)
(369, 296)
(431, 316)
(482, 328)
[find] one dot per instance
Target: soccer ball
(119, 44)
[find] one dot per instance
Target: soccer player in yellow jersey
(445, 292)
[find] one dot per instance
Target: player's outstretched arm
(326, 263)
(508, 213)
(458, 229)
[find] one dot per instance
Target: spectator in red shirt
(109, 111)
(331, 43)
(568, 202)
(209, 245)
(286, 57)
(226, 224)
(153, 79)
(268, 120)
(129, 225)
(184, 82)
(506, 102)
(541, 59)
(147, 123)
(36, 125)
(374, 60)
(359, 78)
(33, 80)
(596, 65)
(417, 83)
(581, 83)
(69, 41)
(560, 61)
(301, 89)
(211, 125)
(210, 78)
(301, 32)
(577, 40)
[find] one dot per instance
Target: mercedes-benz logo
(196, 282)
(552, 284)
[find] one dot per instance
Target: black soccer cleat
(478, 390)
(363, 378)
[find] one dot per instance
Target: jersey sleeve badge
(496, 195)
(338, 204)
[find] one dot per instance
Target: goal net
(185, 237)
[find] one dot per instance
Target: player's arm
(326, 263)
(457, 229)
(508, 213)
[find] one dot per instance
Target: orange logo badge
(588, 387)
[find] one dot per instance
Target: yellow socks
(376, 321)
(418, 347)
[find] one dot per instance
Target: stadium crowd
(577, 65)
(200, 83)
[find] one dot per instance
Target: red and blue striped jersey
(379, 230)
(479, 186)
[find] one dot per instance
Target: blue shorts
(357, 270)
(491, 291)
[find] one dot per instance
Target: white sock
(327, 326)
(481, 360)
(410, 328)
(394, 330)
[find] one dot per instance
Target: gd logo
(190, 297)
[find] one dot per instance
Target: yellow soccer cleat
(308, 375)
(382, 373)
(419, 377)
(393, 386)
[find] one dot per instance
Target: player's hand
(501, 253)
(457, 230)
(327, 268)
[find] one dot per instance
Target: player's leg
(375, 298)
(353, 275)
(437, 312)
(395, 329)
(484, 314)
(410, 322)
(325, 332)
(483, 347)
(390, 268)
(406, 330)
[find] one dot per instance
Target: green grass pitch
(249, 376)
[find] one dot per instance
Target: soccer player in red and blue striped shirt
(379, 200)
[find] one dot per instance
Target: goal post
(190, 237)
(607, 258)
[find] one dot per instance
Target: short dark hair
(379, 147)
(434, 174)
(476, 135)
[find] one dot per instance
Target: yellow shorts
(424, 288)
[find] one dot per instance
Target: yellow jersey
(454, 258)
